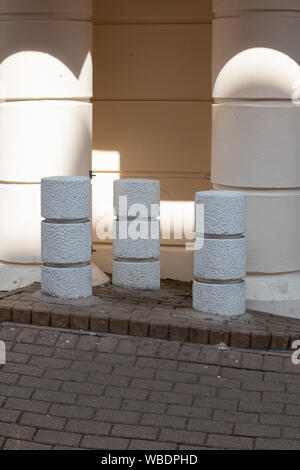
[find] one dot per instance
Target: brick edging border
(89, 319)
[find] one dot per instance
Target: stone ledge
(167, 314)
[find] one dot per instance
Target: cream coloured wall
(152, 110)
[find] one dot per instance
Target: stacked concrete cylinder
(256, 139)
(137, 206)
(220, 255)
(66, 237)
(45, 116)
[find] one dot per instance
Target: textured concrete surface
(66, 243)
(221, 259)
(140, 198)
(67, 282)
(138, 191)
(143, 275)
(224, 212)
(223, 256)
(141, 248)
(66, 197)
(220, 299)
(68, 390)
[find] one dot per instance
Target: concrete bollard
(220, 266)
(136, 244)
(66, 237)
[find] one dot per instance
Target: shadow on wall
(258, 73)
(28, 40)
(40, 66)
(55, 58)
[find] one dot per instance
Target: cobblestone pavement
(64, 389)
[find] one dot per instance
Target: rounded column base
(16, 276)
(277, 294)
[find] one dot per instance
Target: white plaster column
(45, 118)
(256, 139)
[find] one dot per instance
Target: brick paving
(167, 314)
(62, 389)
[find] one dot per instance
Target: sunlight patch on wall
(177, 217)
(44, 76)
(257, 73)
(106, 168)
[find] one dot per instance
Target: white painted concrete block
(143, 275)
(278, 294)
(221, 259)
(249, 140)
(15, 276)
(68, 282)
(224, 212)
(146, 247)
(256, 72)
(54, 58)
(66, 243)
(138, 192)
(44, 138)
(273, 230)
(256, 56)
(20, 232)
(66, 197)
(219, 299)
